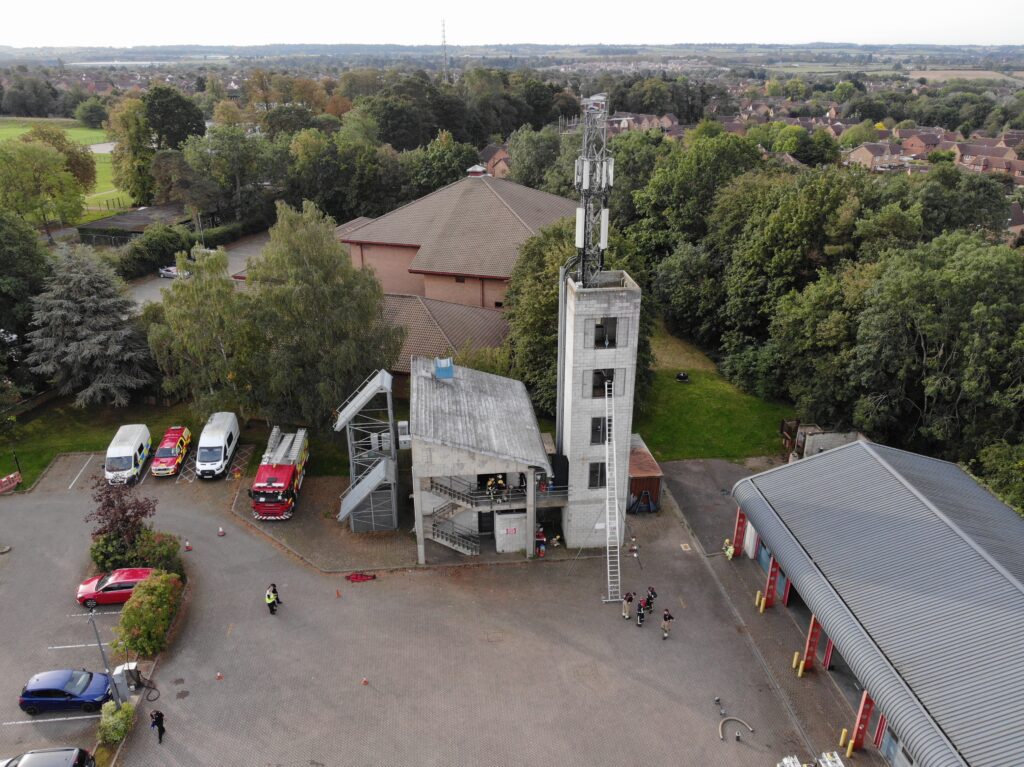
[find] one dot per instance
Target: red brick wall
(445, 288)
(391, 265)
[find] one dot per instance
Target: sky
(216, 22)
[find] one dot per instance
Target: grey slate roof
(440, 328)
(915, 572)
(473, 226)
(480, 412)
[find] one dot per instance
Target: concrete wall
(391, 265)
(583, 518)
(510, 533)
(472, 291)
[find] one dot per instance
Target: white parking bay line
(44, 721)
(108, 612)
(75, 646)
(84, 467)
(145, 474)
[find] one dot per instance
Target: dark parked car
(52, 757)
(65, 689)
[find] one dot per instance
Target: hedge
(115, 724)
(152, 549)
(147, 615)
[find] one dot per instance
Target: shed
(644, 477)
(119, 229)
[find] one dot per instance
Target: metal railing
(456, 536)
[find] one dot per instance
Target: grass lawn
(12, 127)
(105, 190)
(708, 417)
(59, 427)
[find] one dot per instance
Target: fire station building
(914, 574)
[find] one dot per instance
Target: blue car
(65, 689)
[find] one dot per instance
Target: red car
(113, 588)
(171, 453)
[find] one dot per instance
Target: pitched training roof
(350, 226)
(471, 227)
(441, 329)
(915, 572)
(475, 411)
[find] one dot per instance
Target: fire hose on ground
(721, 735)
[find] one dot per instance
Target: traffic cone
(220, 677)
(337, 593)
(188, 546)
(365, 681)
(220, 532)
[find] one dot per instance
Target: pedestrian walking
(651, 596)
(641, 612)
(627, 603)
(156, 722)
(666, 623)
(271, 599)
(277, 597)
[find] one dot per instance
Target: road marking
(108, 612)
(145, 474)
(84, 467)
(75, 646)
(682, 603)
(230, 626)
(60, 719)
(684, 546)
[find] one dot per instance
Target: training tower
(599, 319)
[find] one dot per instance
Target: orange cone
(188, 546)
(220, 531)
(337, 593)
(365, 681)
(220, 677)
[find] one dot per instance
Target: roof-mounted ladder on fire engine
(370, 501)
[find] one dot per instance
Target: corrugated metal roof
(480, 412)
(641, 462)
(911, 567)
(473, 226)
(440, 328)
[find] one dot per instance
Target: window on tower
(598, 430)
(604, 333)
(598, 475)
(600, 378)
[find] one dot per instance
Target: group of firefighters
(644, 608)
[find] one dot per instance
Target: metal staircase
(611, 501)
(370, 501)
(454, 536)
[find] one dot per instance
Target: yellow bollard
(796, 658)
(800, 672)
(764, 601)
(849, 749)
(842, 737)
(757, 599)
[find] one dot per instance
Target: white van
(127, 454)
(217, 445)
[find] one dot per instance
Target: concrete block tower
(602, 320)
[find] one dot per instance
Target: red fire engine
(279, 476)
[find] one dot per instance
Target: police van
(127, 454)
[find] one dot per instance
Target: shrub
(115, 724)
(147, 615)
(151, 549)
(158, 246)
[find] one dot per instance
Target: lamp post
(106, 666)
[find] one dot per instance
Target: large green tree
(24, 268)
(637, 154)
(133, 152)
(78, 158)
(200, 342)
(439, 163)
(91, 113)
(316, 322)
(172, 116)
(84, 338)
(36, 185)
(531, 153)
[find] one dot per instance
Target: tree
(774, 88)
(91, 113)
(78, 159)
(242, 165)
(24, 268)
(531, 154)
(940, 347)
(844, 91)
(954, 199)
(858, 134)
(681, 193)
(200, 343)
(316, 321)
(84, 339)
(637, 154)
(35, 184)
(1001, 466)
(172, 116)
(401, 121)
(796, 89)
(439, 163)
(120, 512)
(691, 293)
(227, 112)
(129, 128)
(288, 119)
(29, 97)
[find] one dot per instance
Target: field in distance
(12, 127)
